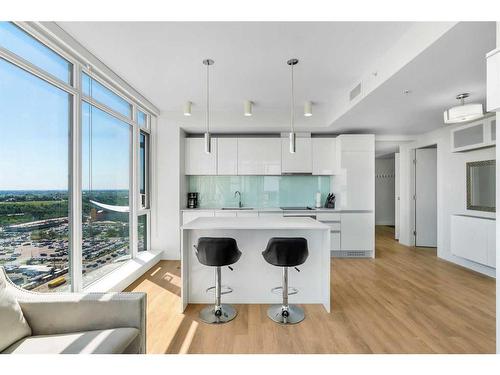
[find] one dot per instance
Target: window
(38, 132)
(34, 125)
(105, 192)
(25, 46)
(144, 169)
(98, 92)
(142, 232)
(142, 119)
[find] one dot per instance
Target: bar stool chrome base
(294, 314)
(226, 314)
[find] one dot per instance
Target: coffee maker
(192, 200)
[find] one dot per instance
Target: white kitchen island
(253, 278)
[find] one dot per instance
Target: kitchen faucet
(239, 200)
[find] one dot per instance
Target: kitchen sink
(238, 208)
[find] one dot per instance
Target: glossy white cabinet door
(358, 185)
(358, 231)
(324, 156)
(247, 213)
(301, 160)
(493, 81)
(227, 156)
(197, 161)
(225, 214)
(259, 156)
(473, 238)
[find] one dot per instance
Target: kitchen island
(253, 278)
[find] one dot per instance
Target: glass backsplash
(259, 191)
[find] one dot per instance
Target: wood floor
(404, 301)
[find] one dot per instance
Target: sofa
(70, 323)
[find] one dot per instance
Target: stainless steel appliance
(299, 212)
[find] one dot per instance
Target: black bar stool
(286, 252)
(217, 252)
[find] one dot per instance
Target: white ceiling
(453, 64)
(163, 61)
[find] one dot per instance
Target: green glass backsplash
(259, 191)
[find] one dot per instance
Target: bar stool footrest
(279, 290)
(224, 289)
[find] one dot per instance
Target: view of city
(34, 236)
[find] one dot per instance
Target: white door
(396, 196)
(426, 197)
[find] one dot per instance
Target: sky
(34, 130)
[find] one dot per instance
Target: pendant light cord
(292, 101)
(208, 101)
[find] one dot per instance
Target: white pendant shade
(463, 113)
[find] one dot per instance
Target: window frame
(74, 88)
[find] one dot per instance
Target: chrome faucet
(239, 200)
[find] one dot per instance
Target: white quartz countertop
(252, 223)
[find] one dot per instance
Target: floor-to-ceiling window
(46, 117)
(35, 119)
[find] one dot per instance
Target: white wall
(451, 191)
(384, 191)
(169, 184)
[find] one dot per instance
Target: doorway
(425, 196)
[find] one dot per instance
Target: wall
(167, 188)
(384, 191)
(259, 191)
(451, 190)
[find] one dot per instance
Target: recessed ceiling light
(247, 108)
(187, 108)
(308, 109)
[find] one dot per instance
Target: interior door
(426, 197)
(396, 196)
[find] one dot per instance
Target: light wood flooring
(404, 301)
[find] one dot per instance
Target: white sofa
(46, 323)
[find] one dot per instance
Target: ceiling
(163, 61)
(453, 64)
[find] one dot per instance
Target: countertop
(253, 223)
(262, 209)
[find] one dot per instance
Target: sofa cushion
(107, 341)
(13, 325)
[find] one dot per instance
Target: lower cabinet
(358, 231)
(473, 238)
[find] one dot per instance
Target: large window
(42, 127)
(25, 46)
(34, 134)
(105, 192)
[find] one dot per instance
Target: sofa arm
(74, 312)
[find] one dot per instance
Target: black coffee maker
(192, 200)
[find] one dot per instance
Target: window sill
(125, 275)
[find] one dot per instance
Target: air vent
(351, 254)
(355, 92)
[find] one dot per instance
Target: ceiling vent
(355, 92)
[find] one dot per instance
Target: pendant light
(292, 135)
(187, 108)
(208, 146)
(463, 112)
(308, 109)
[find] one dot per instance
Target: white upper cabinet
(197, 161)
(493, 81)
(227, 156)
(477, 134)
(301, 160)
(259, 156)
(324, 156)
